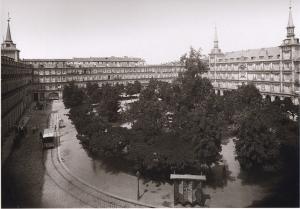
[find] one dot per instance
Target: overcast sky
(156, 30)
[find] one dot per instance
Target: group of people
(21, 130)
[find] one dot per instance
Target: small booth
(188, 189)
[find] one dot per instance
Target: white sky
(156, 30)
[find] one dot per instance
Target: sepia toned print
(87, 121)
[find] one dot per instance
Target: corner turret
(8, 47)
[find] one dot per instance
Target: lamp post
(138, 174)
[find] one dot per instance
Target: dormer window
(270, 57)
(253, 58)
(261, 57)
(7, 45)
(278, 56)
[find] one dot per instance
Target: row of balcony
(252, 77)
(274, 88)
(100, 71)
(59, 86)
(8, 61)
(101, 78)
(8, 102)
(250, 68)
(84, 65)
(12, 116)
(11, 85)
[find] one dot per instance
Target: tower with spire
(290, 51)
(215, 54)
(216, 51)
(8, 47)
(290, 36)
(290, 27)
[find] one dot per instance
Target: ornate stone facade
(50, 75)
(274, 71)
(16, 96)
(16, 85)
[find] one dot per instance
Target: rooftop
(91, 59)
(48, 133)
(271, 51)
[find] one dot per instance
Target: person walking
(41, 135)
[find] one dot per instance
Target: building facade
(16, 84)
(274, 71)
(50, 75)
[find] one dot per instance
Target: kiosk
(188, 189)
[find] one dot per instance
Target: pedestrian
(41, 135)
(199, 195)
(21, 132)
(25, 130)
(224, 171)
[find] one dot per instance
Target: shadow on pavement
(23, 172)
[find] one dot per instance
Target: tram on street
(61, 123)
(48, 138)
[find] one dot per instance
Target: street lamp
(155, 158)
(173, 169)
(138, 174)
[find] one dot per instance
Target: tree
(91, 91)
(120, 88)
(149, 116)
(72, 95)
(110, 144)
(109, 103)
(257, 145)
(288, 107)
(137, 87)
(134, 88)
(202, 127)
(193, 63)
(237, 102)
(198, 118)
(91, 88)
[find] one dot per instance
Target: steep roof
(290, 22)
(271, 51)
(8, 34)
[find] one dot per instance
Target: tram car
(48, 138)
(61, 123)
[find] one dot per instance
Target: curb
(99, 190)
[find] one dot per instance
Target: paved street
(36, 178)
(25, 181)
